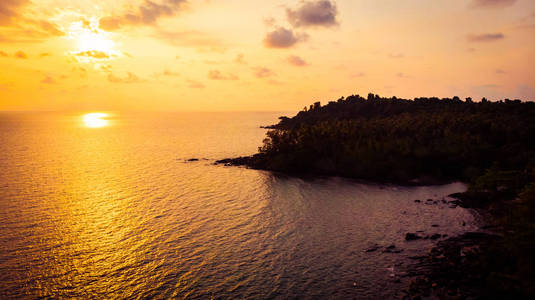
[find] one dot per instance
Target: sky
(258, 55)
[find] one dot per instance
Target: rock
(434, 225)
(192, 159)
(435, 236)
(392, 249)
(418, 201)
(372, 249)
(412, 236)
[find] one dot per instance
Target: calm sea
(119, 212)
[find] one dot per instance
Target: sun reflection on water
(95, 120)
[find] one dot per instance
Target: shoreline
(452, 269)
(256, 162)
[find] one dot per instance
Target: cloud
(9, 10)
(50, 28)
(217, 75)
(45, 54)
(263, 72)
(48, 80)
(486, 37)
(296, 61)
(21, 55)
(93, 54)
(500, 71)
(195, 84)
(167, 72)
(3, 54)
(282, 38)
(147, 14)
(24, 29)
(491, 3)
(130, 78)
(240, 59)
(314, 13)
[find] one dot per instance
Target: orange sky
(186, 55)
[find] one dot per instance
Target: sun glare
(95, 120)
(91, 43)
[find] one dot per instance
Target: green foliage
(491, 145)
(395, 139)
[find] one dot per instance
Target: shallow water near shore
(119, 211)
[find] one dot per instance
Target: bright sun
(95, 120)
(91, 43)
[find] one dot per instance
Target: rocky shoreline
(453, 269)
(260, 161)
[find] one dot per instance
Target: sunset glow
(95, 120)
(181, 55)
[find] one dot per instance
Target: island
(490, 145)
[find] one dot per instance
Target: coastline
(456, 267)
(258, 162)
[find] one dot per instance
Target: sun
(95, 120)
(94, 41)
(91, 44)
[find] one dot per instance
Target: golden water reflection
(95, 120)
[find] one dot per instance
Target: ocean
(120, 211)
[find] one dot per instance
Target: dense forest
(390, 139)
(489, 145)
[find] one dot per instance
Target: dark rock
(372, 249)
(193, 159)
(412, 237)
(434, 225)
(392, 249)
(435, 236)
(418, 201)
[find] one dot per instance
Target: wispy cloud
(263, 72)
(48, 80)
(9, 10)
(147, 13)
(296, 61)
(486, 37)
(93, 54)
(217, 75)
(240, 59)
(193, 84)
(130, 78)
(491, 3)
(21, 55)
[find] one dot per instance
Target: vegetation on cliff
(490, 145)
(391, 139)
